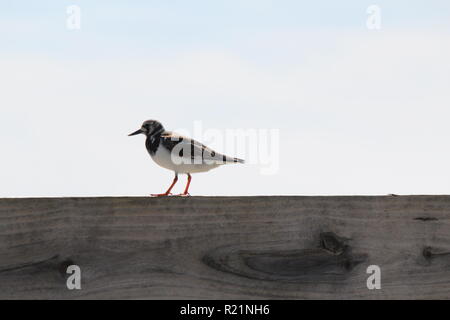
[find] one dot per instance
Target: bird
(180, 154)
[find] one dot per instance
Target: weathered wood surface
(226, 247)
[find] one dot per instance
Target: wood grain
(226, 247)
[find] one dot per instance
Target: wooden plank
(226, 247)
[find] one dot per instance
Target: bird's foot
(160, 194)
(183, 195)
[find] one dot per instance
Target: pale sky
(358, 111)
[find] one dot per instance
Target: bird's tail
(225, 159)
(232, 160)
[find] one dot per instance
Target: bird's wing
(192, 151)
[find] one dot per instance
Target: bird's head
(148, 128)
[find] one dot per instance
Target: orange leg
(186, 191)
(167, 193)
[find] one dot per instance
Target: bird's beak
(135, 133)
